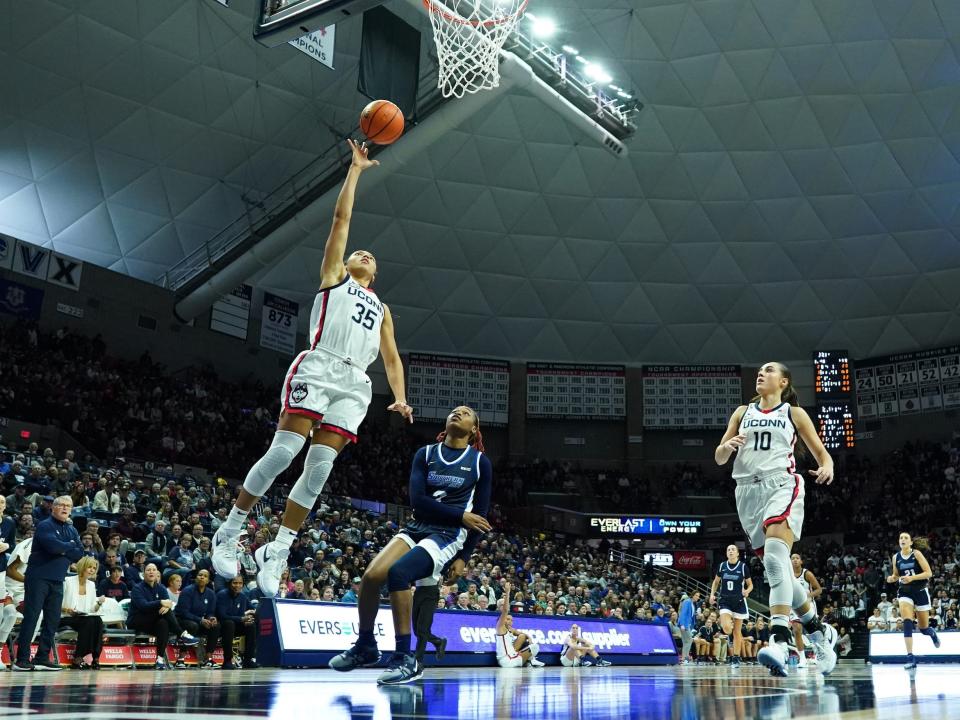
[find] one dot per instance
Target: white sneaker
(774, 657)
(536, 663)
(271, 564)
(826, 655)
(3, 667)
(226, 554)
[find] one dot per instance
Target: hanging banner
(231, 313)
(318, 45)
(20, 300)
(278, 324)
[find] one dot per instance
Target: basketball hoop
(469, 35)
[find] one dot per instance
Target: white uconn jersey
(345, 322)
(768, 449)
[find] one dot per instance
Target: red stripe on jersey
(289, 380)
(767, 412)
(506, 651)
(339, 431)
(323, 317)
(303, 411)
(786, 513)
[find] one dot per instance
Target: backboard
(279, 21)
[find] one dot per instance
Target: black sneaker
(356, 657)
(441, 648)
(22, 666)
(46, 665)
(250, 664)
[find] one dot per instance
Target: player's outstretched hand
(401, 407)
(360, 159)
(476, 522)
(824, 475)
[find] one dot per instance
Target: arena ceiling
(794, 182)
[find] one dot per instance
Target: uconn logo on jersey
(361, 295)
(764, 422)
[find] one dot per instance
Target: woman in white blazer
(80, 608)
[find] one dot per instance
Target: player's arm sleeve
(425, 507)
(481, 505)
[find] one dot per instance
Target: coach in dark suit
(56, 544)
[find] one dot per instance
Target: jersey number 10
(762, 440)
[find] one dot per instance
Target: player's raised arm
(332, 270)
(504, 610)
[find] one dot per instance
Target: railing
(680, 580)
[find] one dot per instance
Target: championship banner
(576, 392)
(909, 383)
(438, 383)
(278, 324)
(318, 45)
(231, 313)
(690, 397)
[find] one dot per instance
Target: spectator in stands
(158, 543)
(107, 499)
(151, 612)
(181, 559)
(133, 571)
(113, 585)
(80, 608)
(55, 544)
(110, 560)
(196, 610)
(42, 511)
(86, 540)
(174, 586)
(236, 616)
(351, 595)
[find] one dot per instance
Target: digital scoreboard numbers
(908, 384)
(835, 424)
(831, 373)
(690, 397)
(576, 392)
(438, 383)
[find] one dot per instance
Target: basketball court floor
(688, 693)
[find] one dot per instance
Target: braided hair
(476, 440)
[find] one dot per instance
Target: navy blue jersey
(909, 566)
(444, 484)
(732, 578)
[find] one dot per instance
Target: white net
(469, 35)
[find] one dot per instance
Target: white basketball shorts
(329, 390)
(765, 500)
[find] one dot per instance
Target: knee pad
(776, 561)
(908, 628)
(278, 457)
(412, 566)
(799, 594)
(316, 470)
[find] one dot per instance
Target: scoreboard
(909, 383)
(438, 383)
(687, 397)
(576, 392)
(833, 390)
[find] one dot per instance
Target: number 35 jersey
(768, 449)
(345, 322)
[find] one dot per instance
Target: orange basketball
(382, 122)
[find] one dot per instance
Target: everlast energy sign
(605, 526)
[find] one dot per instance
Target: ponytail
(921, 543)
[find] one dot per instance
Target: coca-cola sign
(690, 559)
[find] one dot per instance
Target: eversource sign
(333, 627)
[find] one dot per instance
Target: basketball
(382, 122)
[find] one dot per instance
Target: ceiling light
(624, 95)
(570, 49)
(580, 59)
(544, 27)
(595, 72)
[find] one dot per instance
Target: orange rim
(435, 8)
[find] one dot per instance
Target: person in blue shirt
(56, 544)
(450, 484)
(687, 621)
(352, 596)
(196, 609)
(236, 615)
(151, 612)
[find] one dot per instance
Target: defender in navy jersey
(325, 393)
(450, 484)
(735, 583)
(770, 503)
(912, 572)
